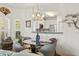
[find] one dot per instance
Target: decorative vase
(37, 39)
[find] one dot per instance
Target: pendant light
(37, 15)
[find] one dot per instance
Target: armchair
(50, 48)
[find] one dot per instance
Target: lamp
(37, 15)
(5, 10)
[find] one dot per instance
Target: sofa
(11, 53)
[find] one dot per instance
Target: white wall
(67, 42)
(68, 45)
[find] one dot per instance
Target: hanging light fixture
(5, 10)
(37, 15)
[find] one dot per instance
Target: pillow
(17, 47)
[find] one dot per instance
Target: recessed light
(50, 13)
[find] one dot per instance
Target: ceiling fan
(5, 10)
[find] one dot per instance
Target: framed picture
(28, 23)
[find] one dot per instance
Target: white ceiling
(58, 7)
(23, 5)
(42, 6)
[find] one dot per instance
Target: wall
(67, 42)
(68, 45)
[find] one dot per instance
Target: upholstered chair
(50, 48)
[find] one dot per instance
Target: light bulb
(38, 15)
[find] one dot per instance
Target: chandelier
(37, 15)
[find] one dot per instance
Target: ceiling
(50, 6)
(33, 4)
(58, 7)
(25, 5)
(42, 6)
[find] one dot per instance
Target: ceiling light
(37, 15)
(5, 10)
(51, 14)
